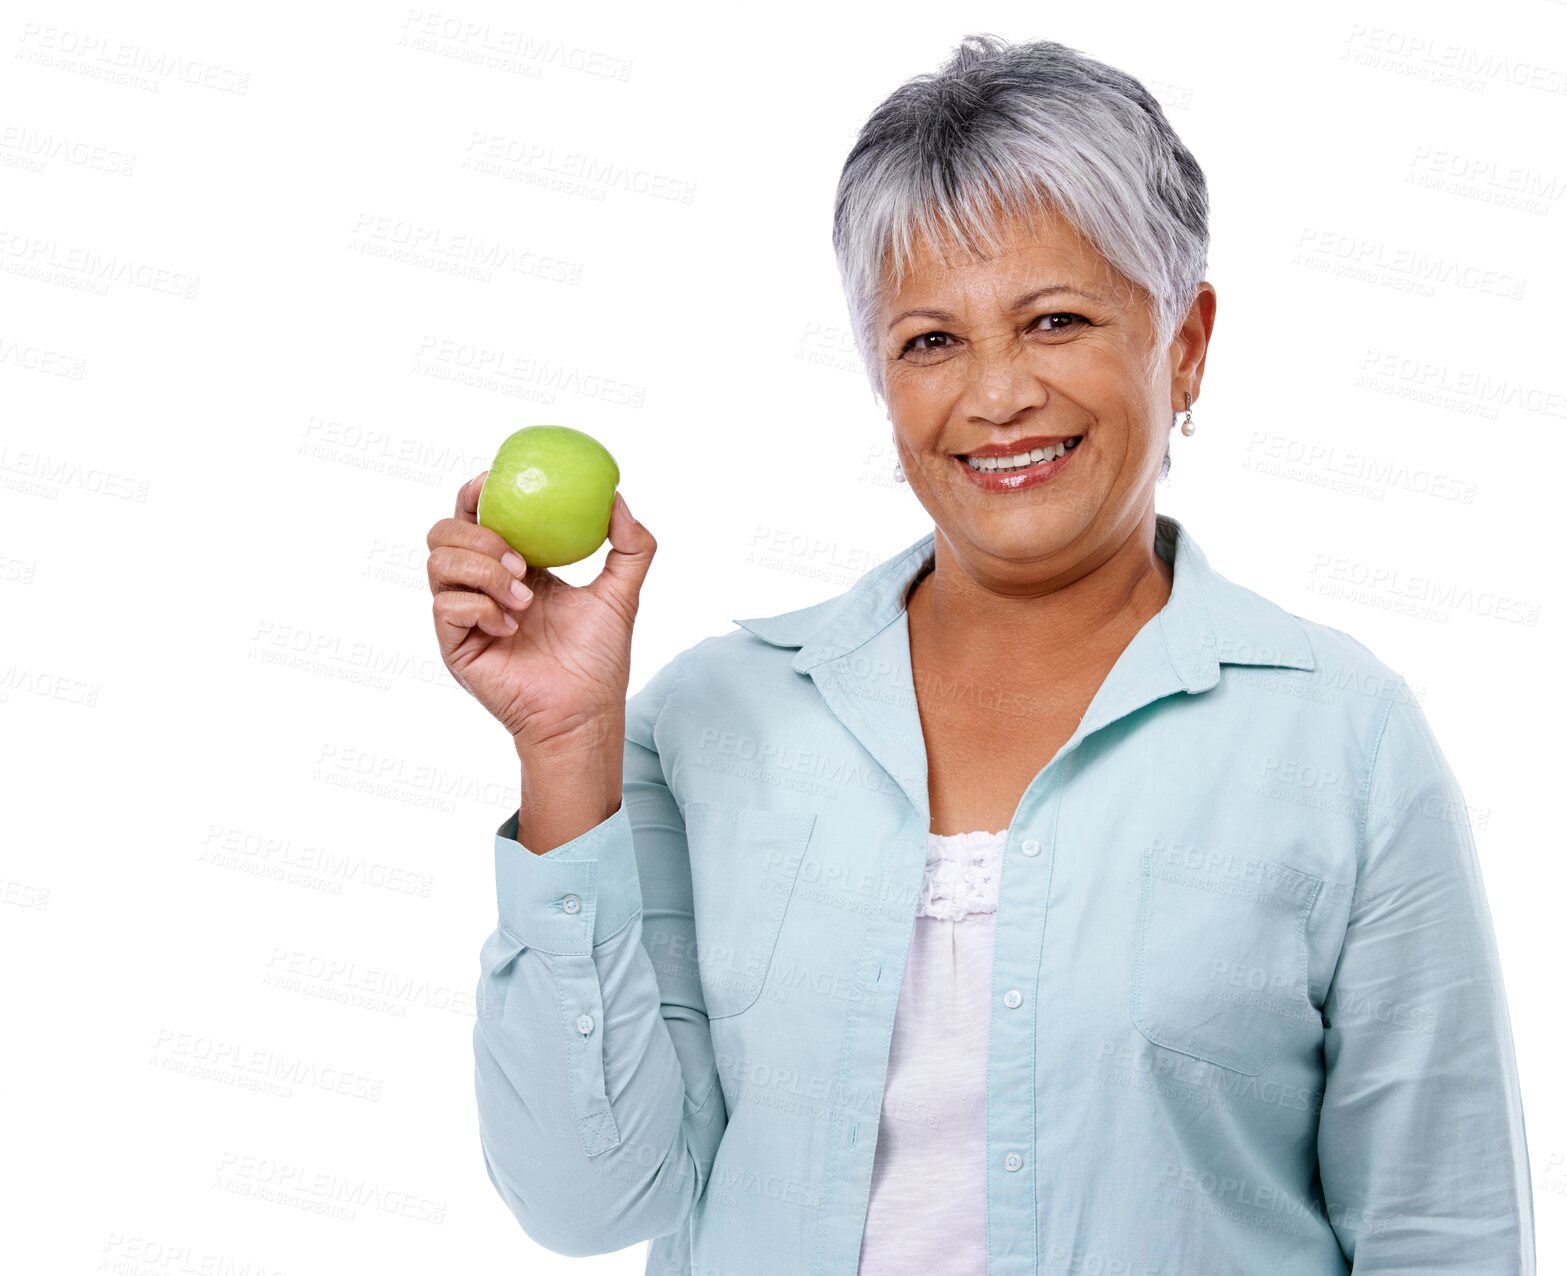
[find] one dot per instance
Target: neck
(969, 614)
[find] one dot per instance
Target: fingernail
(626, 507)
(514, 564)
(511, 621)
(520, 592)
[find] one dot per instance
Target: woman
(1046, 901)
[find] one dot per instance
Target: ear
(1189, 346)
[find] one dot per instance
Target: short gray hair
(1015, 123)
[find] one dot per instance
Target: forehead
(1009, 249)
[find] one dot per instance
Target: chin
(1025, 533)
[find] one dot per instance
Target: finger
(449, 568)
(483, 540)
(468, 499)
(457, 612)
(631, 553)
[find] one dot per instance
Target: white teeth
(1019, 461)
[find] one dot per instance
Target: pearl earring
(1187, 428)
(898, 476)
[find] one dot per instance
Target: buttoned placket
(1142, 674)
(573, 904)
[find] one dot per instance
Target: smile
(1022, 460)
(1019, 469)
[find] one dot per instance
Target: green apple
(549, 493)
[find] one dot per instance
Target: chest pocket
(1219, 968)
(744, 863)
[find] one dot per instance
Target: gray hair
(1001, 126)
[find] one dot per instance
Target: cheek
(906, 396)
(916, 417)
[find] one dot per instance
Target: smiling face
(1044, 343)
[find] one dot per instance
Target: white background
(248, 818)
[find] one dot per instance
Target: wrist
(587, 788)
(560, 799)
(591, 741)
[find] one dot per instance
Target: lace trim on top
(962, 874)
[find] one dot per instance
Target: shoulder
(1383, 710)
(748, 671)
(1342, 660)
(759, 643)
(728, 667)
(1405, 781)
(1251, 628)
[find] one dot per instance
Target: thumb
(630, 555)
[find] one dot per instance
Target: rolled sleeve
(1421, 1142)
(572, 898)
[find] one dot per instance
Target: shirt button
(571, 904)
(1014, 1161)
(1013, 998)
(584, 1024)
(1029, 846)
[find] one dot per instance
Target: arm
(1421, 1143)
(599, 1109)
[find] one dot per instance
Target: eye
(1061, 314)
(911, 345)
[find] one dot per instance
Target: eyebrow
(1018, 303)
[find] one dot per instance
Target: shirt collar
(1207, 621)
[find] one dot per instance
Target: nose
(1003, 387)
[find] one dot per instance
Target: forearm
(568, 789)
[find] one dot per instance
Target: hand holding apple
(551, 661)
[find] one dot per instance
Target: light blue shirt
(1247, 1014)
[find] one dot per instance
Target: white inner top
(962, 875)
(928, 1203)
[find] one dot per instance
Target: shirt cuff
(573, 897)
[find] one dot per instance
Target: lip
(1013, 446)
(1013, 480)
